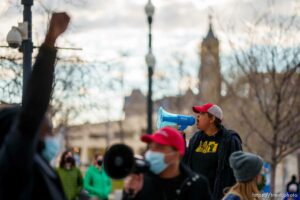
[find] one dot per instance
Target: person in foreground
(168, 179)
(26, 142)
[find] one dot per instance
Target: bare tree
(10, 73)
(266, 89)
(119, 78)
(177, 73)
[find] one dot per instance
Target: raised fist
(58, 24)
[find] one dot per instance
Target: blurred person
(247, 171)
(70, 175)
(209, 149)
(49, 143)
(27, 142)
(292, 189)
(294, 184)
(96, 181)
(168, 178)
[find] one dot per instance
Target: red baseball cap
(167, 136)
(209, 108)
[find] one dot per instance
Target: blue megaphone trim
(168, 119)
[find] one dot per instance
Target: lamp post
(27, 44)
(150, 61)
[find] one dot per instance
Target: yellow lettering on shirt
(207, 147)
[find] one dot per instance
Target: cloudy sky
(106, 29)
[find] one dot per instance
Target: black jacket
(23, 173)
(230, 142)
(194, 187)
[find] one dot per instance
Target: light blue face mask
(156, 161)
(52, 147)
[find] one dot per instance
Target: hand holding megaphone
(133, 184)
(165, 118)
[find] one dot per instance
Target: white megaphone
(165, 118)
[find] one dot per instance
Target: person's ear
(212, 119)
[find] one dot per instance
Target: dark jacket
(230, 142)
(194, 187)
(23, 173)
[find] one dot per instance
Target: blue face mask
(156, 161)
(52, 147)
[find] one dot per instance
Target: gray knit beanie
(246, 166)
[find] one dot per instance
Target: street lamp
(150, 61)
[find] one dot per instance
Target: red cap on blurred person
(209, 108)
(167, 136)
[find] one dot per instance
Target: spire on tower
(210, 34)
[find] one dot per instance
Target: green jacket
(97, 183)
(71, 181)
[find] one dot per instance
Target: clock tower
(210, 73)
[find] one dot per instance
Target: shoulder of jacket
(193, 177)
(90, 168)
(232, 135)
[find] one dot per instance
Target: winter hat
(246, 166)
